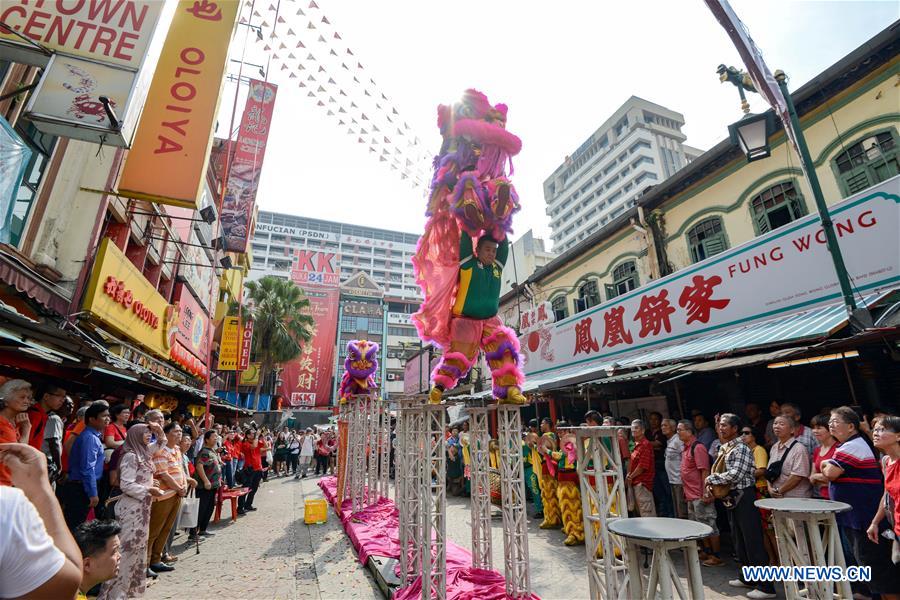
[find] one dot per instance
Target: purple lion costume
(359, 369)
(471, 199)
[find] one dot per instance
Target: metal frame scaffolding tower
(434, 504)
(371, 443)
(602, 501)
(512, 490)
(409, 486)
(384, 446)
(480, 498)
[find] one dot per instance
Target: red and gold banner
(307, 380)
(246, 166)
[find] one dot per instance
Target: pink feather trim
(445, 381)
(501, 334)
(448, 356)
(509, 369)
(487, 134)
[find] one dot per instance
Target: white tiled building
(386, 256)
(640, 145)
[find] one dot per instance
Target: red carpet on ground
(374, 531)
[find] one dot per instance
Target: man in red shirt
(641, 470)
(251, 448)
(700, 504)
(51, 400)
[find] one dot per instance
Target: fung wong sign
(787, 270)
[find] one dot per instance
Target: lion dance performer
(568, 492)
(548, 482)
(358, 380)
(460, 258)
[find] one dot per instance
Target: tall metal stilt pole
(372, 437)
(512, 489)
(411, 484)
(479, 438)
(602, 501)
(384, 446)
(434, 505)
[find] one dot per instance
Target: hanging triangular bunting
(242, 21)
(371, 149)
(332, 52)
(321, 39)
(300, 44)
(256, 14)
(341, 110)
(408, 162)
(342, 93)
(321, 89)
(382, 159)
(310, 57)
(399, 132)
(394, 111)
(350, 132)
(291, 31)
(361, 141)
(272, 7)
(310, 26)
(353, 105)
(366, 92)
(385, 152)
(281, 46)
(364, 117)
(280, 19)
(326, 21)
(310, 78)
(375, 128)
(374, 141)
(349, 52)
(266, 48)
(402, 175)
(386, 140)
(378, 106)
(393, 167)
(330, 114)
(311, 95)
(292, 76)
(331, 100)
(337, 36)
(356, 80)
(320, 103)
(300, 12)
(340, 122)
(354, 121)
(291, 56)
(313, 4)
(344, 66)
(383, 97)
(363, 131)
(406, 127)
(300, 67)
(265, 25)
(321, 69)
(284, 67)
(372, 81)
(331, 81)
(390, 120)
(359, 65)
(275, 56)
(301, 84)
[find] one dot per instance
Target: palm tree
(281, 322)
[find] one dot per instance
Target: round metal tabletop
(802, 505)
(660, 529)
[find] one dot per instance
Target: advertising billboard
(785, 271)
(177, 125)
(246, 166)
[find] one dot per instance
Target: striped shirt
(168, 460)
(860, 485)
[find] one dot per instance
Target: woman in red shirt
(886, 437)
(827, 446)
(251, 448)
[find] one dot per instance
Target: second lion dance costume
(472, 202)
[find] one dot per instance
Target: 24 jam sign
(786, 271)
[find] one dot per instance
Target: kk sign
(176, 127)
(315, 268)
(785, 271)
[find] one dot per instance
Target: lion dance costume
(471, 201)
(568, 492)
(359, 369)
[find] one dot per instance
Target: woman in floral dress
(133, 514)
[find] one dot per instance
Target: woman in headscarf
(133, 514)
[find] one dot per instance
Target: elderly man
(699, 502)
(803, 434)
(672, 465)
(641, 471)
(793, 479)
(734, 468)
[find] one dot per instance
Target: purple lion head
(361, 361)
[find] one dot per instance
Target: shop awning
(642, 374)
(570, 376)
(735, 362)
(812, 325)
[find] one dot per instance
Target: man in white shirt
(38, 555)
(674, 447)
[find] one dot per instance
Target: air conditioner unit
(391, 377)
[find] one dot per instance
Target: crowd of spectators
(91, 501)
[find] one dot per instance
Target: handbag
(189, 512)
(773, 471)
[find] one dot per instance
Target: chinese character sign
(307, 380)
(246, 166)
(785, 271)
(536, 317)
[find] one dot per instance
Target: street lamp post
(747, 133)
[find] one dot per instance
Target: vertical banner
(246, 343)
(176, 128)
(228, 349)
(756, 66)
(307, 381)
(246, 165)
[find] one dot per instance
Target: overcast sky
(563, 68)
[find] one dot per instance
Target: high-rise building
(386, 259)
(640, 145)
